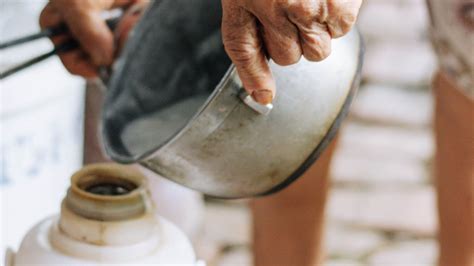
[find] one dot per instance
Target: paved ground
(382, 206)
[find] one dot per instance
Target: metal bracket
(257, 107)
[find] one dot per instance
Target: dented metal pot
(174, 104)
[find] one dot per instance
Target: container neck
(108, 192)
(108, 204)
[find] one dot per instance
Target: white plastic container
(107, 218)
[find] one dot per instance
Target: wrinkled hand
(283, 30)
(83, 18)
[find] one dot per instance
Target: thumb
(92, 33)
(245, 48)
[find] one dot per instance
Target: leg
(288, 225)
(454, 126)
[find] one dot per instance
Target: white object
(105, 229)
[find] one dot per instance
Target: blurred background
(382, 204)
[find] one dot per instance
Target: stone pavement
(382, 205)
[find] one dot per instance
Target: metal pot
(175, 105)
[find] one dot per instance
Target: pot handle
(247, 99)
(254, 105)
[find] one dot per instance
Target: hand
(284, 30)
(128, 22)
(83, 18)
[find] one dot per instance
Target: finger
(128, 22)
(342, 15)
(315, 42)
(87, 26)
(242, 43)
(77, 63)
(282, 42)
(120, 3)
(49, 17)
(278, 33)
(125, 3)
(314, 37)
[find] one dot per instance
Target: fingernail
(263, 96)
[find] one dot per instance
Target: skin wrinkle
(340, 20)
(245, 48)
(281, 40)
(315, 48)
